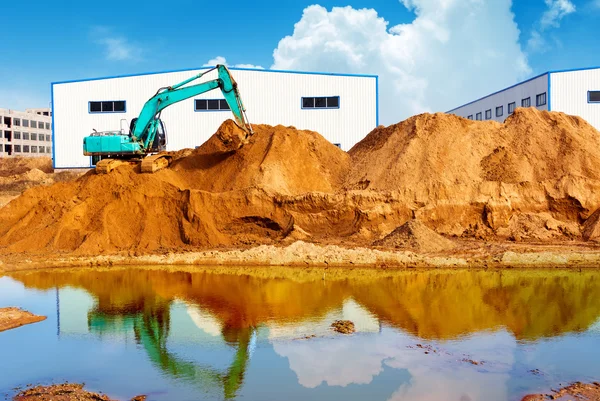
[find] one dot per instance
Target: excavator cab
(160, 140)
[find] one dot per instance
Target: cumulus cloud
(453, 51)
(223, 60)
(116, 47)
(555, 11)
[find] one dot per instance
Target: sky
(430, 55)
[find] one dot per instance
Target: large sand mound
(21, 165)
(536, 177)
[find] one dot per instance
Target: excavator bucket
(232, 136)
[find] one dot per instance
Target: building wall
(569, 92)
(270, 98)
(530, 88)
(18, 137)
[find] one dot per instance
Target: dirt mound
(21, 165)
(277, 159)
(415, 235)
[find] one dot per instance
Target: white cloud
(116, 47)
(551, 18)
(223, 60)
(453, 51)
(557, 10)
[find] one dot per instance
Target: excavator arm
(148, 120)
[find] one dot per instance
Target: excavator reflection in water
(151, 326)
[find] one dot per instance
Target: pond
(264, 334)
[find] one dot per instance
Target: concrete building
(575, 92)
(26, 134)
(342, 107)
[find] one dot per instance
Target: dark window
(25, 123)
(48, 138)
(17, 148)
(25, 148)
(34, 149)
(8, 135)
(210, 104)
(478, 116)
(41, 137)
(331, 102)
(8, 149)
(488, 114)
(33, 124)
(46, 113)
(308, 102)
(33, 136)
(540, 100)
(48, 149)
(95, 107)
(17, 122)
(119, 106)
(593, 97)
(526, 102)
(107, 106)
(48, 126)
(26, 135)
(40, 125)
(223, 105)
(7, 121)
(511, 107)
(470, 117)
(17, 135)
(499, 111)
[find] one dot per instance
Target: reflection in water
(435, 305)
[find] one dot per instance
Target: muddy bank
(11, 318)
(420, 192)
(578, 391)
(64, 392)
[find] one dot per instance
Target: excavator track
(151, 164)
(105, 166)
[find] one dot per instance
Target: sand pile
(453, 171)
(20, 165)
(417, 236)
(536, 177)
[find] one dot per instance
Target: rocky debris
(11, 318)
(343, 326)
(415, 235)
(576, 391)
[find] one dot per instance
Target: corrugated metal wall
(570, 94)
(515, 94)
(270, 98)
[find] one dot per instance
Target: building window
(26, 135)
(17, 122)
(511, 107)
(17, 148)
(526, 102)
(25, 148)
(540, 100)
(25, 123)
(8, 135)
(33, 124)
(593, 97)
(488, 114)
(48, 126)
(7, 121)
(211, 105)
(470, 117)
(330, 102)
(110, 106)
(34, 149)
(499, 111)
(17, 135)
(33, 136)
(48, 138)
(46, 113)
(42, 137)
(478, 116)
(48, 149)
(40, 125)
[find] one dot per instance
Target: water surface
(185, 335)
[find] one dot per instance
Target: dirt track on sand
(476, 191)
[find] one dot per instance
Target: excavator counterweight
(147, 134)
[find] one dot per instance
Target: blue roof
(520, 83)
(231, 68)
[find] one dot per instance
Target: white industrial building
(342, 107)
(575, 92)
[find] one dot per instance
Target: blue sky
(431, 55)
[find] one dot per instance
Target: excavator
(147, 138)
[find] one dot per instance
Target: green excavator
(147, 138)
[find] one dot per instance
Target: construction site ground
(435, 191)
